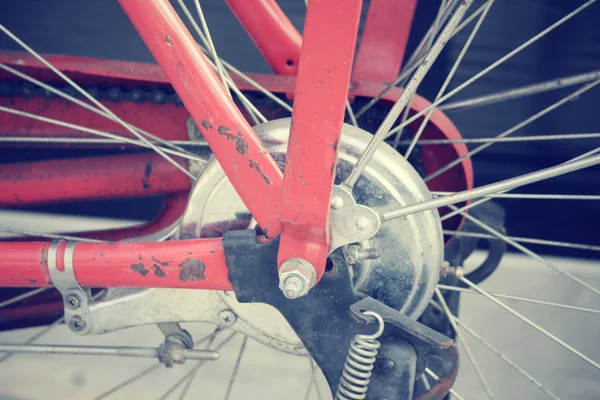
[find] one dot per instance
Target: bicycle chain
(117, 94)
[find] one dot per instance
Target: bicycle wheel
(380, 228)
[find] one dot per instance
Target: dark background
(99, 28)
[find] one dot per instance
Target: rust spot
(240, 144)
(256, 166)
(161, 263)
(140, 269)
(159, 272)
(169, 40)
(206, 124)
(191, 270)
(140, 257)
(147, 173)
(32, 281)
(44, 256)
(335, 145)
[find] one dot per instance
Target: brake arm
(330, 315)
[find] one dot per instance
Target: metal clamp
(75, 298)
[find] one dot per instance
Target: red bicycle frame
(293, 204)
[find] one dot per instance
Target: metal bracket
(326, 322)
(350, 222)
(76, 299)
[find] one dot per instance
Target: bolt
(362, 223)
(446, 270)
(296, 277)
(356, 254)
(73, 301)
(77, 324)
(337, 202)
(292, 287)
(385, 365)
(227, 317)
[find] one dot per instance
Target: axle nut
(296, 277)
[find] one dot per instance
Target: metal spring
(359, 363)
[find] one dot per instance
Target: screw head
(77, 324)
(385, 365)
(362, 223)
(336, 202)
(73, 301)
(227, 318)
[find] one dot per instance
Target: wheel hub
(399, 266)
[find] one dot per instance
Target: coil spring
(359, 363)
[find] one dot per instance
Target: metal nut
(296, 277)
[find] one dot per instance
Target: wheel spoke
(492, 66)
(466, 347)
(351, 114)
(71, 140)
(513, 129)
(449, 77)
(527, 251)
(48, 235)
(444, 12)
(147, 371)
(500, 355)
(188, 378)
(218, 63)
(96, 102)
(535, 138)
(523, 299)
(406, 71)
(526, 240)
(236, 367)
(532, 324)
(409, 91)
(497, 187)
(313, 381)
(23, 296)
(121, 351)
(209, 43)
(520, 92)
(228, 66)
(89, 107)
(528, 196)
(187, 155)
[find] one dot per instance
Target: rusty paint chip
(241, 146)
(140, 269)
(169, 40)
(159, 272)
(206, 124)
(191, 270)
(256, 166)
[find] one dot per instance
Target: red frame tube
(276, 38)
(197, 264)
(317, 119)
(248, 165)
(89, 178)
(384, 39)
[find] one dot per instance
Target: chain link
(115, 94)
